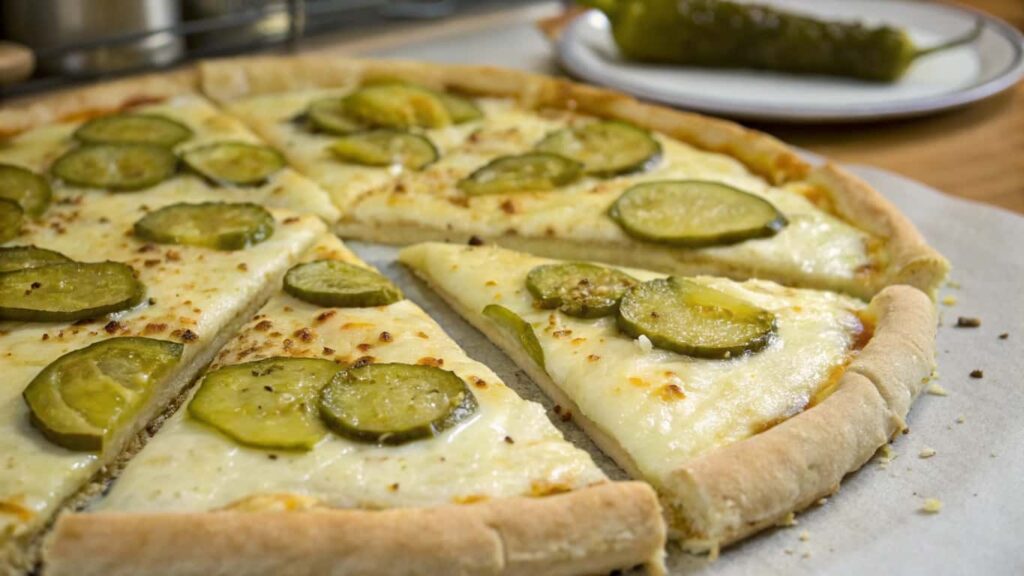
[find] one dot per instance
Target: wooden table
(976, 152)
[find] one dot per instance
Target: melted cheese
(37, 149)
(816, 248)
(185, 288)
(507, 448)
(663, 408)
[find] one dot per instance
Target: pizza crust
(730, 493)
(593, 530)
(909, 259)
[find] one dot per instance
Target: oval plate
(944, 80)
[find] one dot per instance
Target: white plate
(944, 80)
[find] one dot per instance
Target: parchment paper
(874, 525)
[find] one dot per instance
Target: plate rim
(789, 113)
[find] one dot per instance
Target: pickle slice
(460, 109)
(605, 148)
(695, 213)
(270, 403)
(30, 190)
(328, 115)
(217, 225)
(517, 329)
(386, 148)
(117, 167)
(133, 129)
(689, 318)
(395, 403)
(339, 285)
(11, 219)
(395, 105)
(531, 172)
(81, 399)
(68, 291)
(578, 289)
(235, 163)
(22, 257)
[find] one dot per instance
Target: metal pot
(85, 37)
(258, 22)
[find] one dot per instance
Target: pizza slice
(342, 431)
(414, 151)
(121, 274)
(740, 402)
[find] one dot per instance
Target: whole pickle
(722, 34)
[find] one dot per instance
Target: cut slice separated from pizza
(122, 272)
(423, 152)
(342, 431)
(740, 402)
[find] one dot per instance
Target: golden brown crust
(594, 530)
(911, 260)
(906, 258)
(728, 494)
(94, 100)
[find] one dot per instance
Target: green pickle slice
(11, 219)
(217, 225)
(270, 403)
(395, 403)
(386, 148)
(689, 318)
(22, 257)
(531, 172)
(459, 108)
(117, 167)
(30, 190)
(329, 115)
(605, 148)
(134, 129)
(337, 284)
(578, 289)
(235, 163)
(80, 400)
(68, 291)
(517, 329)
(695, 213)
(397, 105)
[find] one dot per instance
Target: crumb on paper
(822, 501)
(960, 419)
(788, 551)
(805, 536)
(937, 390)
(644, 343)
(885, 455)
(1004, 335)
(788, 520)
(953, 284)
(805, 555)
(931, 505)
(968, 322)
(949, 300)
(977, 374)
(926, 453)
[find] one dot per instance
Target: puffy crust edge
(740, 489)
(94, 100)
(592, 530)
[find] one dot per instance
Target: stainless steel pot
(74, 36)
(270, 23)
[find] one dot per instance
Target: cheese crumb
(805, 536)
(931, 506)
(926, 453)
(644, 343)
(937, 390)
(949, 300)
(788, 520)
(886, 455)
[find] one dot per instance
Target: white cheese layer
(192, 294)
(508, 448)
(37, 149)
(816, 248)
(663, 408)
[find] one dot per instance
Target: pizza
(454, 473)
(414, 153)
(740, 402)
(202, 379)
